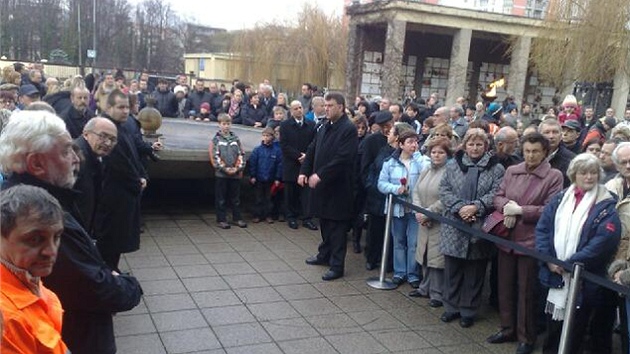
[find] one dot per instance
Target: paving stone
(270, 266)
(248, 246)
(186, 259)
(169, 302)
(224, 257)
(158, 287)
(354, 303)
(217, 316)
(258, 295)
(216, 247)
(259, 256)
(283, 278)
(190, 340)
(142, 344)
(309, 307)
(226, 269)
(266, 348)
(400, 340)
(215, 298)
(146, 274)
(186, 249)
(435, 335)
(242, 334)
(205, 284)
(246, 281)
(335, 323)
(147, 261)
(298, 292)
(376, 320)
(355, 343)
(178, 320)
(470, 348)
(290, 328)
(273, 310)
(307, 346)
(336, 288)
(195, 271)
(133, 324)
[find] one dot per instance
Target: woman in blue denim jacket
(399, 172)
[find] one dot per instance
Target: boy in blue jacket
(265, 171)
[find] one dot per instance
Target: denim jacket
(394, 171)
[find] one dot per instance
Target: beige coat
(426, 194)
(615, 185)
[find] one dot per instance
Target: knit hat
(610, 122)
(268, 131)
(569, 101)
(179, 88)
(205, 106)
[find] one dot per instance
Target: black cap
(382, 117)
(28, 90)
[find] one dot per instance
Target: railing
(577, 269)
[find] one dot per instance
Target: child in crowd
(359, 196)
(265, 171)
(228, 159)
(205, 113)
(279, 114)
(277, 190)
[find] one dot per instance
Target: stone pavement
(208, 290)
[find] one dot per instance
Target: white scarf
(568, 228)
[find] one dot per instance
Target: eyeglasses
(105, 137)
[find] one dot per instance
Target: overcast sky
(239, 14)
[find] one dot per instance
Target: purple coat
(532, 191)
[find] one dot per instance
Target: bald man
(99, 137)
(77, 114)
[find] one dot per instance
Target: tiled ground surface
(249, 291)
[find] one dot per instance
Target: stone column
(354, 61)
(458, 66)
(518, 70)
(393, 58)
(621, 89)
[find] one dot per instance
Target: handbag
(493, 224)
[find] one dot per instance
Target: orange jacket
(31, 324)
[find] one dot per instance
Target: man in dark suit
(328, 169)
(296, 133)
(117, 219)
(77, 114)
(99, 138)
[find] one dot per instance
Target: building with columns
(395, 46)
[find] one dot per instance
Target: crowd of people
(558, 184)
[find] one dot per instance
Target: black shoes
(224, 225)
(435, 303)
(466, 322)
(371, 266)
(356, 247)
(415, 284)
(309, 225)
(313, 260)
(332, 275)
(449, 316)
(293, 224)
(417, 293)
(397, 280)
(240, 223)
(500, 337)
(524, 348)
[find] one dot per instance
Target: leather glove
(512, 208)
(509, 221)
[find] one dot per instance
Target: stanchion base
(376, 283)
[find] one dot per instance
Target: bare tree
(583, 40)
(311, 50)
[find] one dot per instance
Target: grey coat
(456, 243)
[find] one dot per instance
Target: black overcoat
(332, 156)
(89, 183)
(294, 140)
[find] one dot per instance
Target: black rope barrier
(515, 246)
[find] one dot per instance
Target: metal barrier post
(567, 324)
(380, 282)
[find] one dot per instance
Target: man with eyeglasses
(99, 137)
(117, 218)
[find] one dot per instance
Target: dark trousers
(334, 243)
(262, 193)
(228, 189)
(517, 295)
(111, 258)
(601, 331)
(297, 201)
(463, 283)
(374, 238)
(277, 205)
